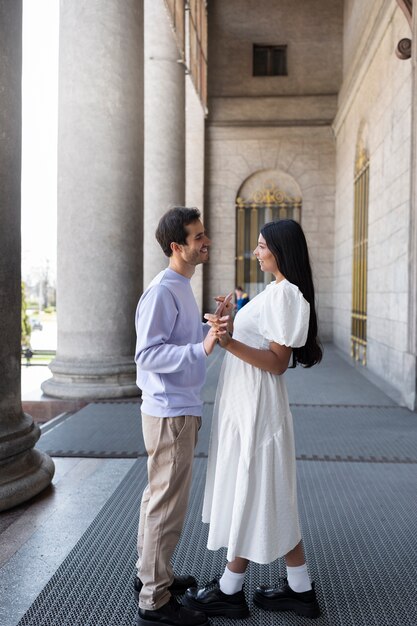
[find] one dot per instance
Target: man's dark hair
(171, 227)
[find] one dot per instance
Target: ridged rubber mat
(359, 524)
(369, 434)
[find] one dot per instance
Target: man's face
(196, 249)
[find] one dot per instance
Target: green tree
(26, 328)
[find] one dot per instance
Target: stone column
(164, 174)
(24, 471)
(100, 197)
(194, 151)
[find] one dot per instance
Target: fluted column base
(24, 471)
(92, 380)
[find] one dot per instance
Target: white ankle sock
(298, 578)
(231, 582)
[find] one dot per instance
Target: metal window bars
(360, 259)
(270, 203)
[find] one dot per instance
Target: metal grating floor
(373, 434)
(359, 524)
(370, 434)
(98, 430)
(107, 430)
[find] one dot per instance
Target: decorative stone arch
(360, 248)
(264, 196)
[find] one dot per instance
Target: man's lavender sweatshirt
(170, 357)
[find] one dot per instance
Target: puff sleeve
(285, 315)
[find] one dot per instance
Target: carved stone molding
(403, 50)
(407, 8)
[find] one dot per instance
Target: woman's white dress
(250, 498)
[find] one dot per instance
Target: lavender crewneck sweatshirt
(170, 357)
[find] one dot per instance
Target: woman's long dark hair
(286, 240)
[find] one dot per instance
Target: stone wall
(279, 123)
(312, 31)
(375, 106)
(308, 155)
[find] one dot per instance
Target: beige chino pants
(170, 444)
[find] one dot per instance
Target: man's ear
(175, 247)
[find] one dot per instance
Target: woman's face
(265, 257)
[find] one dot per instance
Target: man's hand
(218, 329)
(210, 341)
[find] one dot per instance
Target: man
(171, 351)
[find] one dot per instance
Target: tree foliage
(26, 327)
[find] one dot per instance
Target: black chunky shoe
(285, 599)
(212, 601)
(178, 587)
(171, 614)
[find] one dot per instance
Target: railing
(37, 355)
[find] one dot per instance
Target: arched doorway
(264, 196)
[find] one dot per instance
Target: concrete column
(164, 173)
(194, 167)
(100, 197)
(24, 471)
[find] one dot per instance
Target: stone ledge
(46, 408)
(313, 110)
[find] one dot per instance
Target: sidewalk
(357, 473)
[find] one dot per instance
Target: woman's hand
(217, 331)
(224, 339)
(225, 306)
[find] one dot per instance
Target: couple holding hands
(250, 498)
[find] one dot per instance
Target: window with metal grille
(251, 214)
(269, 60)
(360, 259)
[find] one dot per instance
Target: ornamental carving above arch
(269, 187)
(403, 50)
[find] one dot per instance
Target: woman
(250, 497)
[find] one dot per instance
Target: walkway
(357, 472)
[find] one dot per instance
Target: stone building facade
(375, 111)
(266, 128)
(250, 111)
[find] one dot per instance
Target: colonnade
(121, 164)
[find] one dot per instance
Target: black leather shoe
(285, 599)
(178, 587)
(171, 614)
(212, 601)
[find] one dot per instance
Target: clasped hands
(220, 322)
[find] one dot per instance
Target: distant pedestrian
(250, 496)
(28, 354)
(242, 298)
